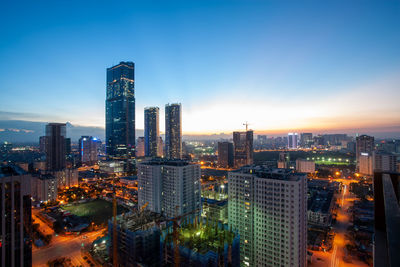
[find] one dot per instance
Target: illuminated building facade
(140, 147)
(88, 149)
(120, 112)
(173, 131)
(151, 131)
(243, 148)
(268, 208)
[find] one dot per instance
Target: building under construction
(201, 244)
(138, 239)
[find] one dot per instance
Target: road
(64, 246)
(336, 257)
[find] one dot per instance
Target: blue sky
(279, 65)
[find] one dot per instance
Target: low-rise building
(307, 166)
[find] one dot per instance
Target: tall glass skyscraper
(173, 131)
(151, 131)
(120, 111)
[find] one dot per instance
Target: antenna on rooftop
(247, 125)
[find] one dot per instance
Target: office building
(384, 162)
(173, 131)
(306, 140)
(307, 166)
(268, 208)
(293, 141)
(55, 146)
(364, 144)
(89, 149)
(120, 112)
(243, 148)
(225, 154)
(151, 131)
(42, 144)
(170, 187)
(138, 239)
(44, 188)
(140, 150)
(16, 218)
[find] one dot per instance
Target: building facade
(365, 164)
(120, 112)
(16, 218)
(307, 166)
(170, 187)
(151, 131)
(268, 208)
(55, 146)
(293, 141)
(44, 188)
(384, 162)
(173, 131)
(140, 147)
(225, 154)
(243, 148)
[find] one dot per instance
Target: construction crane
(247, 125)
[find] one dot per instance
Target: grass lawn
(99, 211)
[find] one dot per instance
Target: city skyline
(288, 73)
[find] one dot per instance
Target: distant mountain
(18, 131)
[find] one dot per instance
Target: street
(337, 256)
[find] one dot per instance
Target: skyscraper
(293, 140)
(243, 148)
(16, 220)
(170, 187)
(364, 144)
(88, 149)
(268, 208)
(173, 131)
(160, 152)
(225, 154)
(120, 111)
(306, 139)
(151, 131)
(55, 146)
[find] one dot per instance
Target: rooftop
(10, 170)
(262, 171)
(168, 162)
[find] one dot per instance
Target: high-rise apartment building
(365, 164)
(151, 131)
(173, 131)
(268, 208)
(15, 220)
(293, 140)
(44, 188)
(225, 154)
(120, 112)
(364, 144)
(384, 162)
(170, 187)
(55, 146)
(88, 149)
(243, 148)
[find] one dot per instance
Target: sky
(279, 65)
